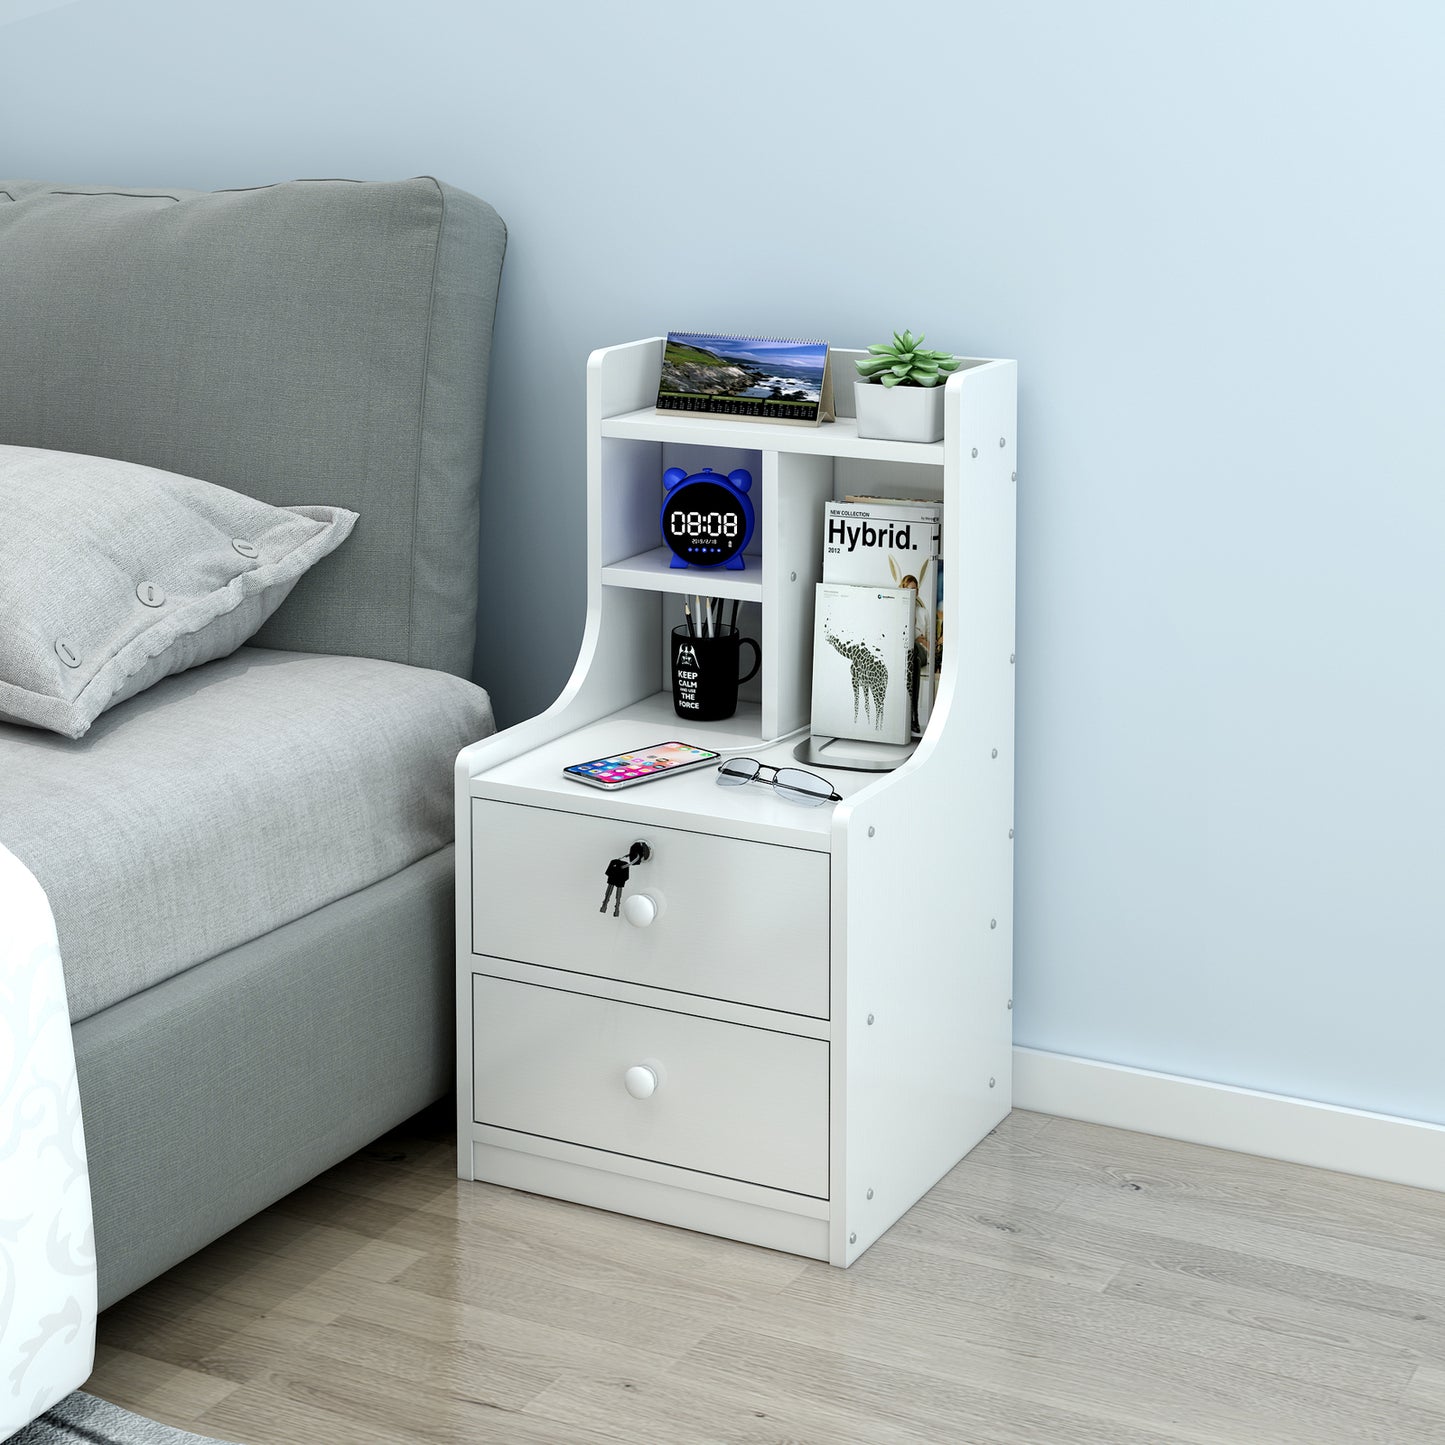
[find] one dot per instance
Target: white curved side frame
(923, 870)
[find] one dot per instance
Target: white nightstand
(812, 1023)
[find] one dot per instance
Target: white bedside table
(810, 1024)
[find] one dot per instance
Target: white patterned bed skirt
(47, 1251)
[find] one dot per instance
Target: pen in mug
(687, 613)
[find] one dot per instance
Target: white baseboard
(1351, 1141)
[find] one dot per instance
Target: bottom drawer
(728, 1099)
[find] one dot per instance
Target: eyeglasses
(791, 783)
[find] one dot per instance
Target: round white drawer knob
(641, 1082)
(639, 910)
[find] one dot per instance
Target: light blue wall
(1214, 237)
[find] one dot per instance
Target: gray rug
(82, 1419)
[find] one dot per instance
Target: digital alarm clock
(707, 518)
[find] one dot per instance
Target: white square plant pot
(898, 413)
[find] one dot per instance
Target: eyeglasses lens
(737, 771)
(800, 787)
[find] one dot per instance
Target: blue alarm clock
(707, 518)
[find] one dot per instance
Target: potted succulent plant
(899, 390)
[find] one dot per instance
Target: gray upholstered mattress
(227, 801)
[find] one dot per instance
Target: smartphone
(623, 770)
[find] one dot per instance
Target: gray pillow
(113, 576)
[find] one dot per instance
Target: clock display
(707, 518)
(712, 525)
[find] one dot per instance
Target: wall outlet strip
(1275, 1126)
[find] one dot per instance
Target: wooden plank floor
(1065, 1285)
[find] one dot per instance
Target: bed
(249, 862)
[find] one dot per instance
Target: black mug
(705, 673)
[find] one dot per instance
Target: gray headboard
(320, 342)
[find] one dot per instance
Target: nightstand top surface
(690, 800)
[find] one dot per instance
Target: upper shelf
(832, 439)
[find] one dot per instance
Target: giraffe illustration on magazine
(863, 642)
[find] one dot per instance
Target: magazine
(893, 542)
(863, 637)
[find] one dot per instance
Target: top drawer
(746, 922)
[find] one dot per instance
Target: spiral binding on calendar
(764, 340)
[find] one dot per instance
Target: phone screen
(638, 766)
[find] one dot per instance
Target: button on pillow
(113, 576)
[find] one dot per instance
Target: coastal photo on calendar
(768, 379)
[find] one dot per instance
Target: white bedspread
(47, 1253)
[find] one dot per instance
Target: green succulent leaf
(906, 362)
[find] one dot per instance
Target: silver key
(617, 871)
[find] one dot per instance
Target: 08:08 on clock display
(705, 524)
